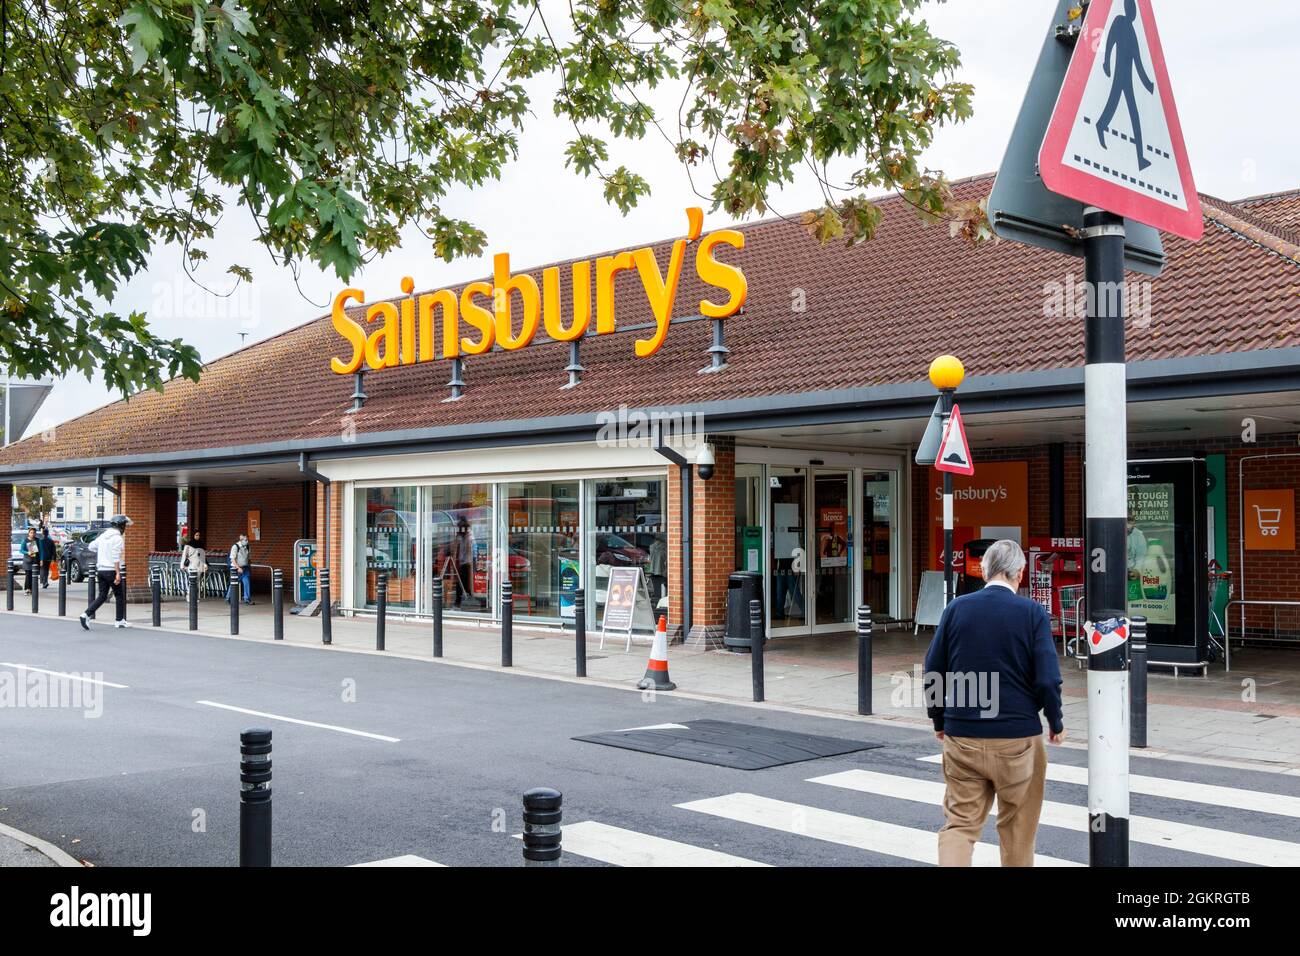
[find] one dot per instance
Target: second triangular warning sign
(1114, 140)
(954, 453)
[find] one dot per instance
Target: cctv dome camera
(704, 461)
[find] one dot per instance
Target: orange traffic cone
(656, 669)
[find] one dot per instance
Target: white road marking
(304, 723)
(1257, 800)
(619, 847)
(1224, 844)
(85, 680)
(409, 859)
(627, 730)
(875, 836)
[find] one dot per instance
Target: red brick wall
(227, 516)
(713, 544)
(137, 503)
(335, 535)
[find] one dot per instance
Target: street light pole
(1106, 444)
(946, 373)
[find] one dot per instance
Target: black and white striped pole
(946, 373)
(1106, 492)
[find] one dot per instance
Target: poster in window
(1149, 553)
(832, 537)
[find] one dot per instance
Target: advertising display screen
(1151, 552)
(1166, 555)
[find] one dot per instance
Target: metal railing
(214, 583)
(1243, 603)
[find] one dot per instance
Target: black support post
(277, 604)
(756, 646)
(92, 579)
(381, 608)
(192, 599)
(1105, 402)
(232, 594)
(63, 589)
(10, 585)
(543, 811)
(507, 624)
(255, 797)
(437, 617)
(1137, 687)
(864, 659)
(580, 632)
(36, 589)
(326, 629)
(155, 594)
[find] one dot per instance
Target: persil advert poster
(1151, 552)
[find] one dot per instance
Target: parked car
(81, 558)
(16, 545)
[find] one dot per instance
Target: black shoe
(85, 624)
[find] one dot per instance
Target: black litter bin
(972, 578)
(742, 587)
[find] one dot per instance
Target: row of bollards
(543, 809)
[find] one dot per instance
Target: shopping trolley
(1219, 576)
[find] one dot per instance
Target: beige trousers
(975, 770)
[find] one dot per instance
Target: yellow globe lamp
(946, 372)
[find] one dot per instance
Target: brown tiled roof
(875, 314)
(1281, 208)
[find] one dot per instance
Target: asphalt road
(153, 779)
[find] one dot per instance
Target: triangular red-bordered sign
(1112, 142)
(954, 451)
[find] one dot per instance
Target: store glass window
(457, 546)
(749, 521)
(386, 522)
(540, 525)
(628, 528)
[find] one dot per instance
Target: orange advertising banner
(992, 503)
(1269, 520)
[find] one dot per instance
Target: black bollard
(864, 659)
(326, 629)
(542, 814)
(756, 646)
(580, 630)
(1137, 681)
(381, 608)
(507, 624)
(193, 599)
(277, 604)
(155, 594)
(232, 595)
(437, 617)
(92, 580)
(255, 797)
(9, 592)
(63, 589)
(36, 589)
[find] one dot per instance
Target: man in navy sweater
(989, 671)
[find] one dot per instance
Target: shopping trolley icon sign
(1270, 519)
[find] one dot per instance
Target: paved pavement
(380, 758)
(1250, 715)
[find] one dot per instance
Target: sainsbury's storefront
(545, 427)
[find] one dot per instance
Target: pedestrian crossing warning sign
(1114, 140)
(954, 452)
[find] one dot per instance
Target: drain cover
(726, 744)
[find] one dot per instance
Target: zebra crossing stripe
(619, 847)
(1238, 847)
(409, 859)
(845, 829)
(1259, 801)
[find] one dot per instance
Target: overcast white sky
(1232, 67)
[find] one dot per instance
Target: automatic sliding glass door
(833, 558)
(788, 569)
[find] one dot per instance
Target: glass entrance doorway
(830, 542)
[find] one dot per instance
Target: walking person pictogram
(1123, 42)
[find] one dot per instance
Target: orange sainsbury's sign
(404, 333)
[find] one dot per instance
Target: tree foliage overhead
(128, 125)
